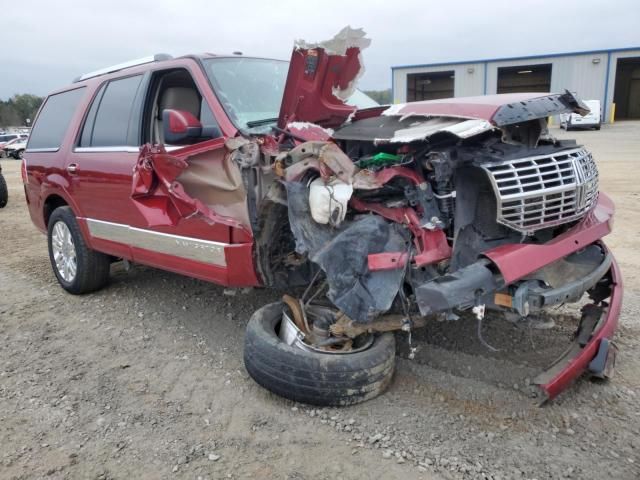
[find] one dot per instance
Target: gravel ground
(145, 379)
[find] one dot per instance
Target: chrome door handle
(72, 168)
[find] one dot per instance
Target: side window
(175, 89)
(115, 116)
(53, 120)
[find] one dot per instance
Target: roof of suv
(158, 57)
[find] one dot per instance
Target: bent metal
(255, 172)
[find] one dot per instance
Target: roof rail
(158, 57)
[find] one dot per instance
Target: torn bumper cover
(592, 349)
(509, 263)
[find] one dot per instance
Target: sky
(52, 42)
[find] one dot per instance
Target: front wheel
(313, 377)
(20, 155)
(77, 268)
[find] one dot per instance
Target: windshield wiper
(264, 121)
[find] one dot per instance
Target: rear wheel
(310, 376)
(20, 154)
(77, 268)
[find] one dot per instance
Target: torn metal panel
(422, 130)
(409, 129)
(321, 77)
(338, 45)
(324, 157)
(187, 182)
(342, 254)
(309, 131)
(500, 110)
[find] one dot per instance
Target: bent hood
(460, 117)
(322, 76)
(499, 110)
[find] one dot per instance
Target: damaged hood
(459, 117)
(499, 110)
(322, 76)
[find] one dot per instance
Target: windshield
(250, 89)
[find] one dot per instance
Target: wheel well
(51, 203)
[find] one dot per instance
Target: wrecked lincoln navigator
(253, 172)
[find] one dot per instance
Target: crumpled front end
(404, 215)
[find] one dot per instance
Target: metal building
(611, 76)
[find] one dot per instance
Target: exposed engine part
(328, 201)
(315, 334)
(345, 326)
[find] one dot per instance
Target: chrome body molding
(205, 251)
(119, 148)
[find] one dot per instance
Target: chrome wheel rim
(64, 252)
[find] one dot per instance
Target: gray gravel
(145, 379)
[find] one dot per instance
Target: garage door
(524, 78)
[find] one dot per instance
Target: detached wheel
(77, 268)
(4, 192)
(327, 379)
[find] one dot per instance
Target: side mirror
(178, 126)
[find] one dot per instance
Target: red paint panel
(482, 107)
(241, 271)
(308, 94)
(518, 260)
(580, 362)
(386, 261)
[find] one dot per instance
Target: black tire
(19, 154)
(4, 192)
(311, 377)
(597, 127)
(92, 271)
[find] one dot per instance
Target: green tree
(19, 108)
(383, 97)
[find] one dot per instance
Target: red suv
(257, 172)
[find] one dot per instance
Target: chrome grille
(543, 191)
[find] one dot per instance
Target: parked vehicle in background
(7, 146)
(256, 172)
(16, 148)
(4, 191)
(7, 139)
(593, 119)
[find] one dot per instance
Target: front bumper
(507, 264)
(590, 343)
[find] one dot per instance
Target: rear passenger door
(100, 167)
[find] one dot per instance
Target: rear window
(113, 118)
(53, 120)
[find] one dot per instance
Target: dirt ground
(144, 379)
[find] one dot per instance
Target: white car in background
(16, 149)
(592, 120)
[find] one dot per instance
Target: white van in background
(592, 120)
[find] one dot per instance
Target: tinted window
(54, 118)
(87, 129)
(114, 114)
